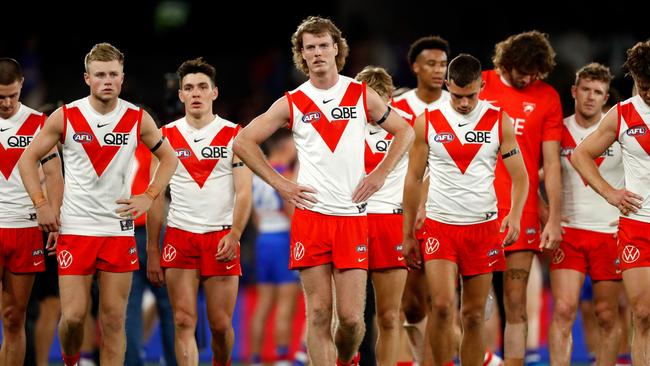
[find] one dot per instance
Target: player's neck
(102, 106)
(324, 81)
(586, 122)
(14, 112)
(428, 95)
(201, 121)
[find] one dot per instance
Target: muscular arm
(517, 170)
(247, 147)
(150, 136)
(592, 147)
(54, 181)
(243, 180)
(402, 141)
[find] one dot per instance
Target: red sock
(215, 363)
(354, 362)
(70, 360)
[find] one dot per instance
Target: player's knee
(320, 318)
(473, 317)
(112, 322)
(641, 315)
(564, 311)
(351, 320)
(13, 318)
(73, 319)
(606, 315)
(220, 324)
(414, 311)
(515, 306)
(184, 320)
(443, 309)
(388, 320)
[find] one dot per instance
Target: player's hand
(50, 245)
(627, 202)
(47, 220)
(134, 207)
(551, 236)
(513, 224)
(155, 273)
(296, 194)
(227, 248)
(411, 252)
(420, 217)
(368, 186)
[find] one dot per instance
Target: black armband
(48, 158)
(157, 146)
(510, 153)
(238, 164)
(383, 118)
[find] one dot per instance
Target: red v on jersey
(199, 169)
(462, 155)
(569, 143)
(330, 132)
(9, 156)
(633, 119)
(100, 156)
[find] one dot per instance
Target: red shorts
(633, 244)
(475, 248)
(583, 250)
(318, 239)
(186, 250)
(83, 255)
(21, 250)
(530, 234)
(385, 241)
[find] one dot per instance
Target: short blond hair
(103, 52)
(378, 79)
(318, 25)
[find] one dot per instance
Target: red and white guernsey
(329, 130)
(98, 153)
(414, 106)
(16, 133)
(634, 136)
(202, 188)
(581, 205)
(463, 151)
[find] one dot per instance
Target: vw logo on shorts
(298, 251)
(431, 246)
(169, 253)
(558, 256)
(630, 254)
(64, 258)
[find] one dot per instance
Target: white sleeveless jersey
(328, 130)
(16, 133)
(634, 136)
(98, 152)
(581, 205)
(269, 208)
(388, 199)
(463, 151)
(202, 188)
(414, 106)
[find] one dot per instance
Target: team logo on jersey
(168, 253)
(528, 107)
(214, 152)
(431, 246)
(362, 207)
(298, 251)
(361, 248)
(310, 117)
(83, 137)
(636, 131)
(630, 254)
(558, 256)
(183, 153)
(126, 225)
(64, 258)
(19, 141)
(444, 137)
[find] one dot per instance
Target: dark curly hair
(638, 62)
(318, 25)
(528, 52)
(427, 43)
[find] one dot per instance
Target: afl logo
(444, 137)
(183, 153)
(82, 137)
(310, 117)
(637, 131)
(298, 251)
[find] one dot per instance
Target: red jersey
(536, 113)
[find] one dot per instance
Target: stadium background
(249, 43)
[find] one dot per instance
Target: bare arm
(44, 142)
(155, 219)
(583, 160)
(517, 171)
(243, 181)
(246, 146)
(552, 233)
(150, 136)
(418, 156)
(402, 141)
